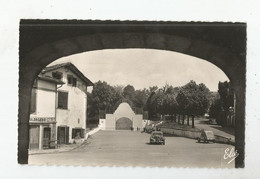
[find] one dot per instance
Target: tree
(129, 92)
(116, 96)
(226, 101)
(215, 109)
(193, 99)
(140, 98)
(153, 89)
(226, 95)
(118, 89)
(162, 101)
(90, 110)
(151, 105)
(104, 97)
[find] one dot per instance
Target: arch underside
(221, 57)
(124, 123)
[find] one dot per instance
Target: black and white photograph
(122, 93)
(129, 89)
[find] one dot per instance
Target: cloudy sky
(143, 68)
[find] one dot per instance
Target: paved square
(129, 148)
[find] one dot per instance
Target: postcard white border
(167, 10)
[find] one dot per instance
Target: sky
(143, 68)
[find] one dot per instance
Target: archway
(124, 123)
(41, 46)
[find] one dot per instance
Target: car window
(157, 134)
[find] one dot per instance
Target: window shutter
(58, 135)
(73, 133)
(74, 82)
(69, 79)
(67, 134)
(57, 75)
(62, 100)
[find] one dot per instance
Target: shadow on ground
(148, 143)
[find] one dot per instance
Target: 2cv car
(157, 138)
(206, 136)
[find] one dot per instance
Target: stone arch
(124, 123)
(33, 61)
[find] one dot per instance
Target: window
(57, 75)
(62, 100)
(72, 81)
(33, 101)
(77, 133)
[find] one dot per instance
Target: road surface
(127, 148)
(202, 123)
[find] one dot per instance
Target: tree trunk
(192, 121)
(183, 118)
(188, 120)
(175, 116)
(179, 118)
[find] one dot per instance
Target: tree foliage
(226, 95)
(103, 97)
(190, 99)
(193, 99)
(129, 92)
(222, 103)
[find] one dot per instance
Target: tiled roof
(50, 79)
(73, 68)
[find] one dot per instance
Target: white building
(43, 112)
(71, 100)
(123, 118)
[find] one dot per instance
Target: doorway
(46, 137)
(124, 124)
(63, 135)
(34, 137)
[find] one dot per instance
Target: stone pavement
(132, 148)
(61, 148)
(65, 147)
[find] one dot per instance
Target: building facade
(71, 100)
(123, 118)
(43, 112)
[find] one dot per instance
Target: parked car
(157, 138)
(206, 136)
(152, 127)
(149, 128)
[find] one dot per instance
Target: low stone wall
(92, 132)
(182, 133)
(195, 135)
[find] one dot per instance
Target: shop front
(42, 132)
